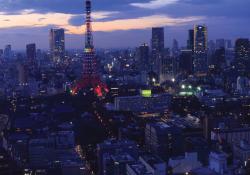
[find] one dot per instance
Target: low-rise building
(218, 162)
(184, 164)
(242, 151)
(147, 164)
(152, 103)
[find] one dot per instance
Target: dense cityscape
(149, 110)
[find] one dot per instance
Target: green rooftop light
(146, 93)
(186, 93)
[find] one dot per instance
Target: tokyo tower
(91, 79)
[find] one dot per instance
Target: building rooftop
(122, 157)
(114, 142)
(139, 169)
(152, 159)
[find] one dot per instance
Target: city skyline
(115, 21)
(124, 87)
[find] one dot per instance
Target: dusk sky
(120, 23)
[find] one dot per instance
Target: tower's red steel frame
(91, 78)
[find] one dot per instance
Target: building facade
(57, 45)
(31, 53)
(157, 46)
(200, 49)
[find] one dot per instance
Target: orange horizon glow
(30, 19)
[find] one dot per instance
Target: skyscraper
(228, 44)
(91, 78)
(210, 53)
(242, 47)
(186, 61)
(1, 53)
(31, 53)
(144, 57)
(200, 48)
(218, 61)
(190, 41)
(166, 66)
(157, 47)
(220, 43)
(7, 52)
(22, 74)
(175, 48)
(57, 45)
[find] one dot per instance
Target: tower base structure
(91, 83)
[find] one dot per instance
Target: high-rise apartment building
(200, 49)
(190, 41)
(242, 48)
(7, 52)
(57, 44)
(220, 43)
(144, 57)
(157, 44)
(31, 53)
(186, 61)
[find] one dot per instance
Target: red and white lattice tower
(91, 78)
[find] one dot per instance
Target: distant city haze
(120, 23)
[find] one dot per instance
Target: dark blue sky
(120, 23)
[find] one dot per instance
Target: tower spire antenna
(89, 36)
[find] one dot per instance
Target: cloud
(104, 14)
(78, 20)
(60, 6)
(27, 19)
(62, 20)
(154, 4)
(136, 23)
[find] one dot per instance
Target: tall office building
(157, 44)
(210, 53)
(22, 74)
(228, 44)
(200, 49)
(175, 48)
(144, 57)
(175, 57)
(218, 61)
(7, 52)
(242, 48)
(31, 53)
(166, 66)
(190, 41)
(211, 46)
(57, 44)
(186, 61)
(220, 43)
(1, 53)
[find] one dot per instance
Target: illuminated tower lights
(91, 78)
